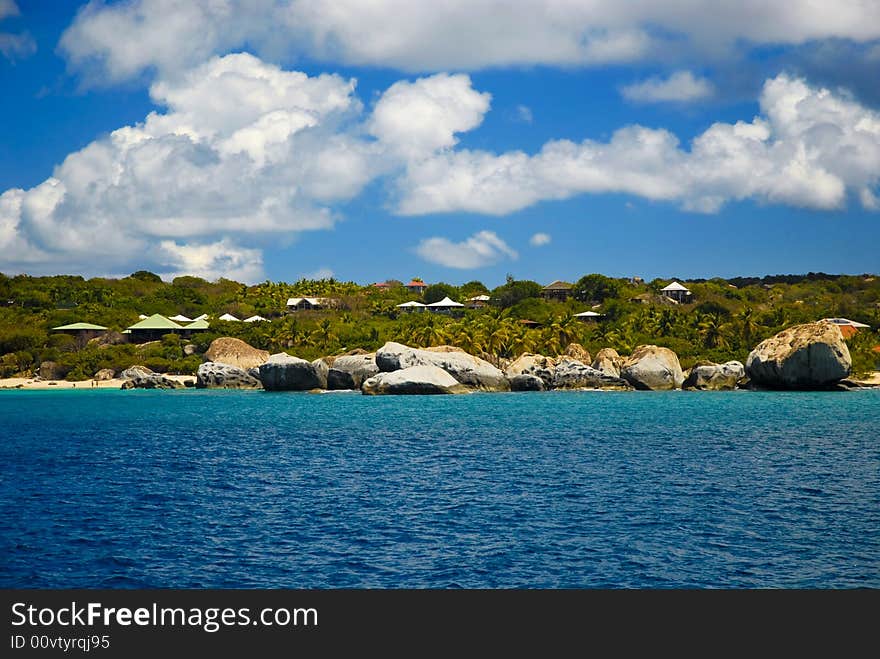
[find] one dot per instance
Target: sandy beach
(115, 383)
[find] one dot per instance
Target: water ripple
(198, 489)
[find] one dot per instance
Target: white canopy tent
(445, 303)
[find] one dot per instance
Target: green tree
(595, 288)
(515, 291)
(436, 292)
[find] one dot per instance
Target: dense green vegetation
(725, 321)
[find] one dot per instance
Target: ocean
(229, 489)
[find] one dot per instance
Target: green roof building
(82, 332)
(196, 325)
(153, 328)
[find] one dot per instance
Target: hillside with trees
(725, 320)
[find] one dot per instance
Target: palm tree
(713, 331)
(748, 324)
(323, 334)
(666, 322)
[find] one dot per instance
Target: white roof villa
(306, 303)
(677, 292)
(588, 314)
(479, 298)
(256, 319)
(229, 317)
(445, 303)
(410, 305)
(180, 318)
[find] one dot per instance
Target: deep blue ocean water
(216, 489)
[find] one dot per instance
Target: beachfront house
(677, 292)
(558, 290)
(152, 328)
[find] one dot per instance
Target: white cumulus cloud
(211, 261)
(122, 40)
(417, 118)
(482, 249)
(540, 239)
(681, 86)
(808, 148)
(243, 148)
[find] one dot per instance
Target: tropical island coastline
(69, 332)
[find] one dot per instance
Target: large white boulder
(465, 368)
(801, 357)
(654, 368)
(421, 379)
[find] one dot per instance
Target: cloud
(681, 87)
(417, 118)
(123, 40)
(244, 148)
(482, 249)
(540, 239)
(14, 46)
(809, 147)
(244, 153)
(211, 261)
(524, 114)
(320, 273)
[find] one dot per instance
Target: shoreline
(32, 384)
(19, 384)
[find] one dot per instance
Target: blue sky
(453, 141)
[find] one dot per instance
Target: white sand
(85, 385)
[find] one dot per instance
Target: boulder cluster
(802, 357)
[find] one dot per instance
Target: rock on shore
(421, 379)
(151, 381)
(807, 356)
(466, 369)
(235, 352)
(572, 374)
(608, 361)
(285, 373)
(654, 368)
(350, 371)
(526, 382)
(214, 375)
(707, 376)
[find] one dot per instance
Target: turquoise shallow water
(197, 489)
